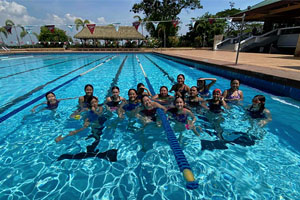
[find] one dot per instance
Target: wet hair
(142, 99)
(262, 100)
(235, 79)
(115, 87)
(132, 90)
(93, 97)
(163, 87)
(48, 94)
(194, 87)
(178, 98)
(181, 75)
(204, 82)
(139, 85)
(88, 85)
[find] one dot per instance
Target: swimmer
(193, 101)
(113, 102)
(141, 91)
(52, 102)
(92, 119)
(163, 97)
(147, 112)
(84, 101)
(203, 89)
(181, 114)
(130, 105)
(233, 94)
(258, 111)
(180, 89)
(216, 103)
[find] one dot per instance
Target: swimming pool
(146, 167)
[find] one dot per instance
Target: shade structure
(272, 10)
(110, 33)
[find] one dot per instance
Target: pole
(241, 32)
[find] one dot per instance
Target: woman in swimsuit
(258, 111)
(85, 101)
(113, 102)
(163, 97)
(129, 105)
(52, 102)
(180, 114)
(203, 89)
(93, 119)
(180, 89)
(216, 103)
(233, 94)
(141, 91)
(147, 113)
(193, 101)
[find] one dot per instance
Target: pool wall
(268, 83)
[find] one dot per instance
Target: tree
(57, 35)
(9, 22)
(4, 32)
(165, 10)
(79, 23)
(25, 32)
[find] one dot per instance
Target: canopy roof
(272, 10)
(110, 33)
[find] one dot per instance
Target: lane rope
(173, 142)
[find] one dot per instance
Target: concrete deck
(278, 65)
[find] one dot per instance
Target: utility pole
(241, 32)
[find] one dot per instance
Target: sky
(101, 12)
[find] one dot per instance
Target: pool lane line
(163, 71)
(53, 64)
(28, 94)
(115, 80)
(16, 58)
(15, 111)
(173, 142)
(17, 64)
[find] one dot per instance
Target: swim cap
(217, 91)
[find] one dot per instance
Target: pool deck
(277, 65)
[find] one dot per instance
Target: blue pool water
(146, 167)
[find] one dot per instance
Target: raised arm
(60, 138)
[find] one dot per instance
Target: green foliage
(57, 36)
(79, 23)
(228, 12)
(173, 41)
(164, 10)
(153, 42)
(204, 30)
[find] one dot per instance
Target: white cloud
(15, 12)
(101, 20)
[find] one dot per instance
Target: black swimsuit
(216, 108)
(52, 106)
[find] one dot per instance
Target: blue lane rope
(177, 151)
(5, 117)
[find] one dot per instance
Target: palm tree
(25, 32)
(9, 22)
(79, 23)
(162, 27)
(4, 32)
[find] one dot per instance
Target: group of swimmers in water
(141, 104)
